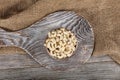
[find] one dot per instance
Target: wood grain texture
(20, 60)
(22, 67)
(32, 39)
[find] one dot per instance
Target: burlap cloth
(103, 15)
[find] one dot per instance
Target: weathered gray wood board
(22, 67)
(32, 39)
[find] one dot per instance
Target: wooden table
(17, 65)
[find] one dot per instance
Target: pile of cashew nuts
(60, 43)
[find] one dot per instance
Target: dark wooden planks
(22, 66)
(20, 60)
(16, 61)
(91, 71)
